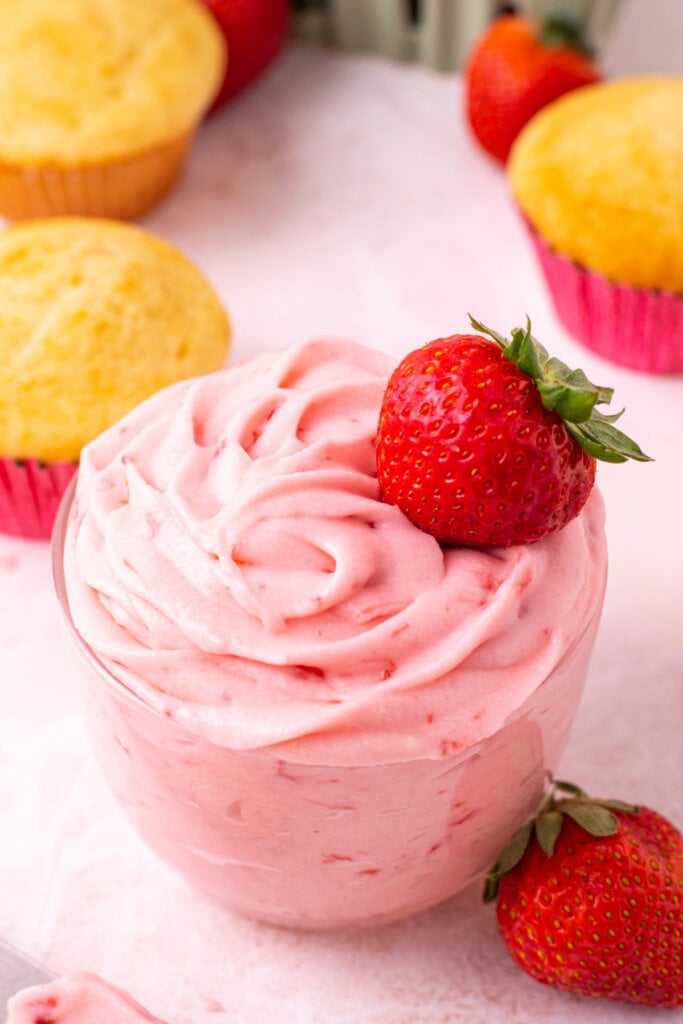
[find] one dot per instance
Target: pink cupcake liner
(30, 493)
(634, 327)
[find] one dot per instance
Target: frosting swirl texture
(230, 561)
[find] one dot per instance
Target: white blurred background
(646, 37)
(631, 36)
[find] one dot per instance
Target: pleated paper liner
(634, 327)
(121, 189)
(30, 493)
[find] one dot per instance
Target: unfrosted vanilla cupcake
(99, 100)
(94, 317)
(597, 175)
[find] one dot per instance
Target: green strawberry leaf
(514, 851)
(503, 342)
(564, 30)
(547, 829)
(527, 353)
(594, 815)
(604, 441)
(491, 886)
(617, 805)
(568, 787)
(596, 820)
(570, 394)
(592, 446)
(612, 417)
(572, 404)
(509, 858)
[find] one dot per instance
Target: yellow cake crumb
(599, 176)
(85, 81)
(95, 316)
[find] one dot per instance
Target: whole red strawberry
(516, 68)
(255, 31)
(594, 902)
(486, 443)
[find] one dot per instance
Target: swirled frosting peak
(230, 561)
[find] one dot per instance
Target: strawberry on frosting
(485, 442)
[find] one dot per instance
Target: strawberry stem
(570, 394)
(594, 815)
(562, 30)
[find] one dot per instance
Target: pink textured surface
(341, 195)
(634, 327)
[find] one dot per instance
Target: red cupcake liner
(30, 493)
(634, 327)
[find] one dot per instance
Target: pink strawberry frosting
(229, 559)
(80, 998)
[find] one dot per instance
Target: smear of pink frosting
(80, 998)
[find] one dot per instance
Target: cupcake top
(96, 315)
(229, 559)
(598, 174)
(83, 81)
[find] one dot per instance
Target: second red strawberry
(516, 68)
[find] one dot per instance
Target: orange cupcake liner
(30, 493)
(638, 328)
(121, 189)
